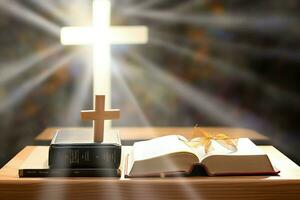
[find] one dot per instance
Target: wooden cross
(98, 116)
(100, 35)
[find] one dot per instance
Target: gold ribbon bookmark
(206, 140)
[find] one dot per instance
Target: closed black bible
(76, 149)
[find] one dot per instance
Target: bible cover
(76, 149)
(36, 165)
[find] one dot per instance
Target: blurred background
(207, 62)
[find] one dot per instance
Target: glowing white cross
(101, 36)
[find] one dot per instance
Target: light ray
(230, 70)
(24, 14)
(236, 46)
(259, 23)
(203, 102)
(79, 96)
(126, 90)
(133, 74)
(17, 95)
(184, 6)
(65, 12)
(226, 68)
(50, 8)
(118, 74)
(190, 192)
(132, 8)
(13, 69)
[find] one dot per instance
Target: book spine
(84, 157)
(69, 173)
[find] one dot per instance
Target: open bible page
(244, 147)
(159, 146)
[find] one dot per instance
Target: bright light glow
(101, 36)
(76, 35)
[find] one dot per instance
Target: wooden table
(140, 133)
(284, 186)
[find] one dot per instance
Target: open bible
(171, 155)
